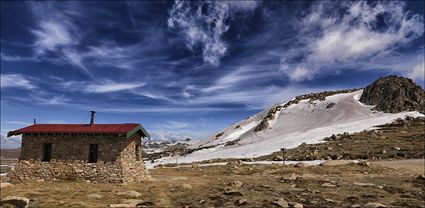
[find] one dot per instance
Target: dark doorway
(47, 152)
(136, 152)
(93, 153)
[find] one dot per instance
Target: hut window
(93, 153)
(136, 152)
(47, 152)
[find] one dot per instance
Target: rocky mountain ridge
(306, 119)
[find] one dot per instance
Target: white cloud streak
(112, 87)
(364, 31)
(16, 81)
(103, 86)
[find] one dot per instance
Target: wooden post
(177, 156)
(283, 155)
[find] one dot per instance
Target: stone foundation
(103, 172)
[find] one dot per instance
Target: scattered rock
(145, 204)
(330, 105)
(289, 178)
(241, 202)
(328, 185)
(300, 165)
(133, 202)
(397, 148)
(277, 158)
(195, 166)
(364, 163)
(232, 192)
(330, 200)
(131, 194)
(364, 184)
(420, 179)
(373, 205)
(236, 183)
(356, 206)
(281, 202)
(121, 205)
(97, 196)
(5, 185)
(186, 186)
(16, 201)
(295, 205)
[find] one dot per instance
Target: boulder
(280, 202)
(232, 192)
(364, 184)
(289, 178)
(97, 196)
(300, 165)
(121, 205)
(130, 194)
(236, 184)
(373, 205)
(277, 158)
(5, 185)
(364, 163)
(295, 205)
(329, 185)
(186, 186)
(241, 202)
(17, 201)
(420, 179)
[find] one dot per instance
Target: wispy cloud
(112, 87)
(102, 86)
(20, 123)
(204, 23)
(364, 31)
(16, 81)
(50, 36)
(172, 125)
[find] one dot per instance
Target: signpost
(283, 155)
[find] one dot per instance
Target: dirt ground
(392, 183)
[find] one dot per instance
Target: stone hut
(88, 152)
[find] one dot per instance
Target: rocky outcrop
(393, 94)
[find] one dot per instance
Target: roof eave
(12, 133)
(136, 129)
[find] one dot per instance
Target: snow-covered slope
(306, 121)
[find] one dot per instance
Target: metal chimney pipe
(35, 121)
(92, 118)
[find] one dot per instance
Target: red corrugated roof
(76, 128)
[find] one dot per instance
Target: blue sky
(188, 69)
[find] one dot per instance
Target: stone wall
(73, 147)
(116, 159)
